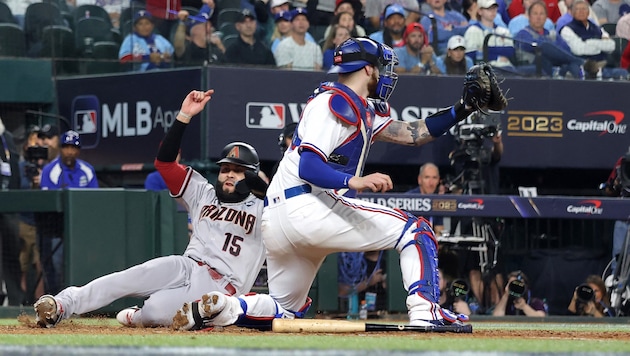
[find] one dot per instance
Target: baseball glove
(481, 89)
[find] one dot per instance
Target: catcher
(309, 212)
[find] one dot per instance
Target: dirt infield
(27, 326)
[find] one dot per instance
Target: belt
(293, 192)
(216, 276)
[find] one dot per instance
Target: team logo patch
(266, 115)
(234, 153)
(86, 112)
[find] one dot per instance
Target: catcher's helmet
(356, 53)
(240, 153)
(70, 138)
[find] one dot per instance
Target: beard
(372, 84)
(227, 197)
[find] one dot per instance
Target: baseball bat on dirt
(342, 326)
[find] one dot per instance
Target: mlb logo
(266, 116)
(85, 121)
(86, 112)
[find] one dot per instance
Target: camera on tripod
(35, 157)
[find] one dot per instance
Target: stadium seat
(104, 59)
(12, 41)
(58, 44)
(228, 4)
(89, 31)
(127, 13)
(84, 11)
(6, 16)
(227, 29)
(39, 15)
(228, 15)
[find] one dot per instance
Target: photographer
(517, 299)
(455, 295)
(35, 155)
(618, 185)
(590, 298)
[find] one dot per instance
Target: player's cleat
(48, 311)
(129, 316)
(199, 314)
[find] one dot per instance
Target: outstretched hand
(194, 102)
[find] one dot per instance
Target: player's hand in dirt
(376, 182)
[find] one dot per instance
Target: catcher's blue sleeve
(441, 121)
(315, 171)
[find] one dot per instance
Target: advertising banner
(505, 206)
(122, 118)
(548, 123)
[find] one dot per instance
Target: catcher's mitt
(481, 89)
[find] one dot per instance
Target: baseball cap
(415, 26)
(456, 41)
(274, 3)
(48, 131)
(200, 18)
(394, 9)
(70, 138)
(298, 11)
(142, 14)
(624, 9)
(283, 15)
(486, 4)
(245, 13)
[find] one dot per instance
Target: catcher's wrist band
(184, 115)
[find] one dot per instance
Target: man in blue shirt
(65, 171)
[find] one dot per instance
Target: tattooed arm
(413, 133)
(419, 132)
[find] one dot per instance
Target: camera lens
(585, 293)
(516, 288)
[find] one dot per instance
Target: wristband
(184, 115)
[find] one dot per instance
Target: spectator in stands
(517, 7)
(622, 29)
(393, 27)
(164, 14)
(368, 272)
(609, 11)
(500, 45)
(345, 19)
(447, 23)
(460, 304)
(589, 41)
(553, 50)
(9, 222)
(454, 61)
(591, 298)
(429, 183)
(246, 49)
(275, 6)
(417, 56)
(63, 172)
(521, 21)
(565, 9)
(295, 52)
(320, 12)
(203, 46)
(517, 298)
(471, 10)
(374, 9)
(355, 7)
(283, 29)
(334, 39)
(144, 49)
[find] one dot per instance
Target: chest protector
(353, 110)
